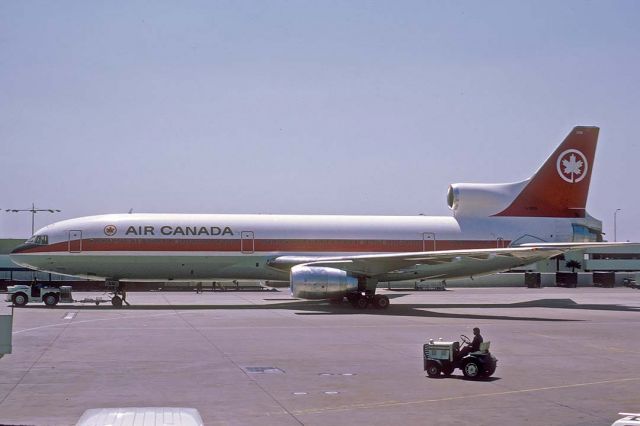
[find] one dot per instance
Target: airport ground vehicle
(175, 416)
(444, 357)
(51, 295)
(22, 294)
(630, 282)
(630, 419)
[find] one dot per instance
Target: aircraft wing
(441, 263)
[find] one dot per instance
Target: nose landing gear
(119, 291)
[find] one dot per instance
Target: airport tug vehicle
(51, 295)
(22, 294)
(444, 357)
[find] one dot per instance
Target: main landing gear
(364, 299)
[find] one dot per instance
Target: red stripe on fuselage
(261, 245)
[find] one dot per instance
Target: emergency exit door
(75, 241)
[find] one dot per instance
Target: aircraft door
(75, 241)
(247, 244)
(428, 241)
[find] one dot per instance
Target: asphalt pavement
(565, 357)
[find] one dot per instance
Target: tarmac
(565, 357)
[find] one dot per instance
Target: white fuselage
(186, 247)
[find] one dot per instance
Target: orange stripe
(265, 245)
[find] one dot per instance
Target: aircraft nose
(21, 248)
(18, 256)
(22, 258)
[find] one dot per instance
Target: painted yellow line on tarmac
(385, 404)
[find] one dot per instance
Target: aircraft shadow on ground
(306, 307)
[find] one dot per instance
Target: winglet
(561, 186)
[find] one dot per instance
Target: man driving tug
(474, 360)
(474, 346)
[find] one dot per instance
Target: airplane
(494, 227)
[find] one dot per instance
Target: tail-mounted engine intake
(481, 199)
(316, 282)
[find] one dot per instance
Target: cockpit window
(41, 240)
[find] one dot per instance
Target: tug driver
(475, 344)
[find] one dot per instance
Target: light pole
(33, 211)
(615, 225)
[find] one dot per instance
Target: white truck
(22, 294)
(51, 295)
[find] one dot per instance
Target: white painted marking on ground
(70, 315)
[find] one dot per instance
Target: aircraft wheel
(20, 299)
(381, 302)
(116, 301)
(361, 303)
(50, 299)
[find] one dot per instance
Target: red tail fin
(561, 186)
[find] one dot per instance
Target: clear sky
(357, 107)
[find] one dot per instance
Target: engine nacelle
(482, 199)
(317, 282)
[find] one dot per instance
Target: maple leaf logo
(110, 230)
(572, 165)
